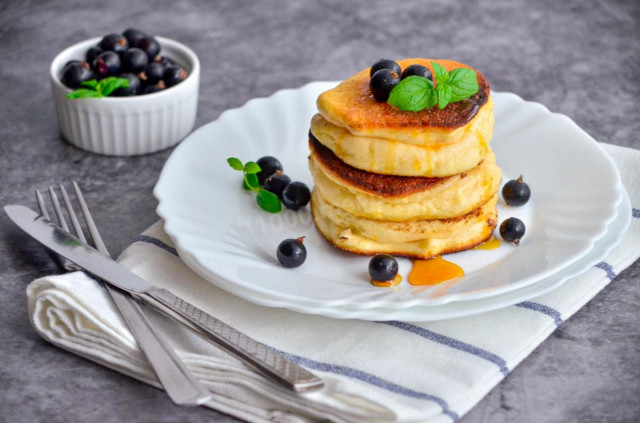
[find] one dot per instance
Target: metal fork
(180, 384)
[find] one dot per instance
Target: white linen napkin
(374, 371)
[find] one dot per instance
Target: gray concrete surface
(579, 58)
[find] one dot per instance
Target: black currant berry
(383, 268)
(152, 74)
(133, 35)
(114, 42)
(385, 64)
(276, 183)
(417, 70)
(268, 165)
(74, 74)
(149, 45)
(164, 61)
(296, 195)
(512, 230)
(107, 64)
(133, 88)
(92, 53)
(173, 75)
(516, 192)
(292, 252)
(134, 60)
(382, 82)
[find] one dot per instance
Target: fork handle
(260, 356)
(176, 379)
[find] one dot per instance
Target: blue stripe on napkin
(451, 342)
(157, 243)
(608, 269)
(635, 213)
(553, 313)
(369, 378)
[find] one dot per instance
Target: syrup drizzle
(384, 284)
(468, 108)
(490, 244)
(433, 271)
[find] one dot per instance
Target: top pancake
(352, 106)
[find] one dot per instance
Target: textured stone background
(580, 58)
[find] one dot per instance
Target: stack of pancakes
(414, 184)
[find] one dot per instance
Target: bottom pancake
(414, 238)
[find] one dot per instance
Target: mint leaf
(251, 167)
(235, 163)
(250, 182)
(413, 93)
(268, 201)
(91, 83)
(416, 93)
(463, 83)
(440, 73)
(110, 84)
(83, 93)
(444, 95)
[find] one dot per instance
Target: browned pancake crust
(372, 183)
(491, 223)
(364, 112)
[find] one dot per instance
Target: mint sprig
(267, 200)
(84, 93)
(99, 89)
(416, 93)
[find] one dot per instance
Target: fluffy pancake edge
(484, 222)
(451, 196)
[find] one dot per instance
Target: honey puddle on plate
(433, 271)
(383, 284)
(491, 244)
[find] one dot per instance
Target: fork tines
(77, 229)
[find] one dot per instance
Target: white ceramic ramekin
(127, 126)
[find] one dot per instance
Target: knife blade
(258, 355)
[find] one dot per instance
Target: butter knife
(261, 357)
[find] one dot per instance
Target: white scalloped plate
(575, 191)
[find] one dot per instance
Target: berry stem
(252, 188)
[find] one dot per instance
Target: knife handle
(258, 355)
(177, 380)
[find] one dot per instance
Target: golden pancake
(399, 198)
(350, 105)
(415, 239)
(432, 159)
